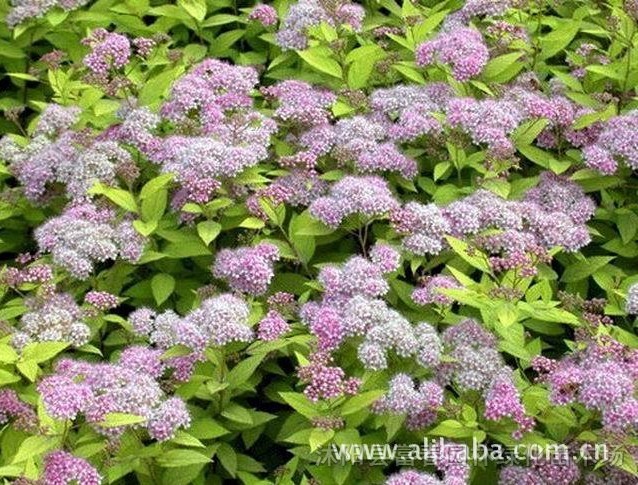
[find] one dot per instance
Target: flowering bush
(237, 236)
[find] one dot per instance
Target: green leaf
(360, 401)
(162, 286)
(526, 133)
(228, 458)
(238, 414)
(155, 184)
(28, 369)
(145, 228)
(252, 223)
(177, 458)
(7, 377)
(360, 71)
(461, 248)
(120, 197)
(195, 8)
(319, 437)
(451, 428)
(42, 351)
(34, 446)
(591, 118)
(559, 38)
(154, 205)
(220, 19)
(319, 59)
(584, 269)
(300, 403)
(627, 223)
(242, 371)
(7, 354)
(114, 420)
(503, 68)
(183, 438)
(208, 231)
(186, 249)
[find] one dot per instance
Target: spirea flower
(272, 326)
(558, 194)
(600, 378)
(55, 318)
(363, 141)
(264, 14)
(168, 417)
(429, 293)
(84, 235)
(559, 470)
(37, 273)
(503, 400)
(56, 119)
(488, 122)
(300, 102)
(24, 10)
(631, 304)
(480, 367)
(325, 381)
(247, 269)
(404, 398)
(109, 50)
(68, 158)
(412, 477)
(386, 257)
(207, 91)
(14, 408)
(95, 390)
(299, 188)
(102, 300)
(482, 8)
(62, 468)
(424, 225)
(218, 321)
(463, 48)
(369, 196)
(304, 14)
(616, 142)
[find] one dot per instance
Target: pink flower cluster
(429, 290)
(109, 50)
(264, 14)
(247, 269)
(419, 404)
(129, 386)
(616, 142)
(54, 318)
(560, 470)
(56, 154)
(449, 458)
(326, 381)
(14, 408)
(304, 14)
(516, 234)
(351, 308)
(84, 235)
(62, 468)
(602, 378)
(272, 326)
(217, 321)
(463, 48)
(368, 196)
(477, 365)
(102, 300)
